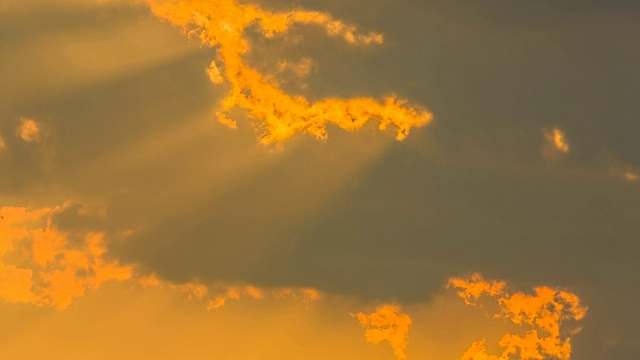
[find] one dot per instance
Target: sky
(315, 179)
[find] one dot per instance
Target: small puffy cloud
(3, 145)
(29, 130)
(388, 324)
(555, 144)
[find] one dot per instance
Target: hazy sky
(316, 179)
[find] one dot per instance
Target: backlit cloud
(222, 23)
(388, 324)
(550, 315)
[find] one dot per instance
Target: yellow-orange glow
(29, 130)
(56, 271)
(630, 176)
(390, 325)
(221, 24)
(476, 286)
(59, 271)
(557, 139)
(544, 312)
(216, 297)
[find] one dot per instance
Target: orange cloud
(546, 313)
(555, 145)
(221, 24)
(2, 143)
(49, 269)
(29, 130)
(216, 297)
(474, 287)
(387, 324)
(44, 265)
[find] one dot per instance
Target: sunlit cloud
(388, 324)
(44, 263)
(217, 296)
(222, 23)
(29, 130)
(550, 316)
(51, 266)
(3, 145)
(555, 144)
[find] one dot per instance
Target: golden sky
(298, 179)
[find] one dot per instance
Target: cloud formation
(51, 265)
(215, 297)
(51, 256)
(388, 324)
(222, 23)
(551, 314)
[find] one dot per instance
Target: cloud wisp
(221, 24)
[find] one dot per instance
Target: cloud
(388, 324)
(301, 68)
(59, 253)
(555, 144)
(50, 270)
(29, 130)
(222, 23)
(217, 296)
(546, 313)
(3, 145)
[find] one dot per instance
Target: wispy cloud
(217, 296)
(222, 23)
